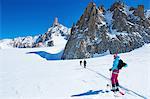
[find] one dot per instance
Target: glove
(110, 69)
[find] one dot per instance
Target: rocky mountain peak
(89, 28)
(117, 5)
(91, 18)
(55, 23)
(116, 30)
(57, 30)
(101, 8)
(139, 11)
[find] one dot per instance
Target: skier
(80, 62)
(84, 63)
(115, 72)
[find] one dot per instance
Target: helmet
(115, 55)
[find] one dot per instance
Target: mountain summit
(116, 30)
(86, 34)
(56, 32)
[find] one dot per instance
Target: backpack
(121, 64)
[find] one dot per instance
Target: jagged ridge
(117, 30)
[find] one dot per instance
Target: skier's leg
(113, 82)
(112, 79)
(117, 83)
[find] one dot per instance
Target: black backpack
(121, 64)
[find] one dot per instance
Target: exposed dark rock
(93, 33)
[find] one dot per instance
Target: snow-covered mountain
(48, 39)
(117, 30)
(57, 30)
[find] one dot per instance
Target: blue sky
(32, 17)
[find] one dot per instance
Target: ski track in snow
(128, 91)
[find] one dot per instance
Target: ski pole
(110, 78)
(109, 85)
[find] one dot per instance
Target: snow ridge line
(128, 90)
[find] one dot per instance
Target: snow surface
(147, 13)
(5, 43)
(108, 17)
(24, 75)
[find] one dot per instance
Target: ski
(117, 93)
(122, 93)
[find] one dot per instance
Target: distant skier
(80, 62)
(117, 65)
(84, 63)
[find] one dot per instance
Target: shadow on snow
(90, 92)
(48, 56)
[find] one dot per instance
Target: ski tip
(121, 93)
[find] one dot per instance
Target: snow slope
(6, 43)
(147, 13)
(30, 76)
